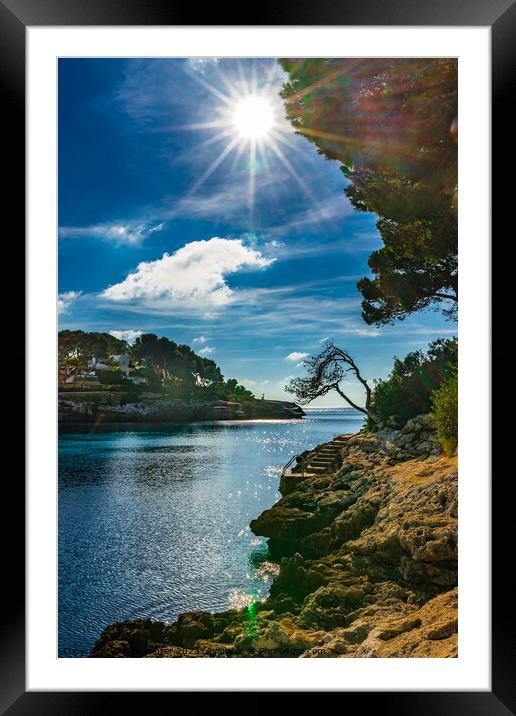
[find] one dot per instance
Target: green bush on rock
(407, 391)
(445, 413)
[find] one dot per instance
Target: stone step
(322, 461)
(305, 475)
(316, 468)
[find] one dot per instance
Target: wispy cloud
(120, 233)
(200, 339)
(226, 203)
(370, 332)
(201, 64)
(207, 350)
(329, 210)
(296, 356)
(148, 90)
(65, 300)
(193, 276)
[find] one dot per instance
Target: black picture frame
(15, 17)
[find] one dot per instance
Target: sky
(189, 208)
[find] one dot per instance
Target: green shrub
(445, 413)
(408, 389)
(108, 376)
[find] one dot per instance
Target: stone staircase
(324, 459)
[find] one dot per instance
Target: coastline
(105, 407)
(365, 560)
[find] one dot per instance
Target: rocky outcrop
(114, 407)
(367, 558)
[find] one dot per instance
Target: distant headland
(102, 407)
(103, 379)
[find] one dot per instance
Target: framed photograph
(259, 403)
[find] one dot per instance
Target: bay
(154, 520)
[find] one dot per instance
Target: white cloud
(65, 300)
(200, 339)
(248, 382)
(128, 335)
(120, 233)
(193, 276)
(206, 351)
(296, 356)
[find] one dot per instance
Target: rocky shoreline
(100, 407)
(366, 544)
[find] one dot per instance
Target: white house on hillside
(123, 363)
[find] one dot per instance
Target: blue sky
(174, 219)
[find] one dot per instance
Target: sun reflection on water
(239, 600)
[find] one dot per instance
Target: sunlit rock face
(365, 563)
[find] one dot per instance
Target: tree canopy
(77, 348)
(392, 124)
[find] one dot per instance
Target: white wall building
(123, 363)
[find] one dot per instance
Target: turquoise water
(153, 521)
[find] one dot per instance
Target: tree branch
(348, 400)
(451, 297)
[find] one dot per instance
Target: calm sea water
(154, 521)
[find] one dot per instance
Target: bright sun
(253, 117)
(251, 125)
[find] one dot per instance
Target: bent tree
(326, 370)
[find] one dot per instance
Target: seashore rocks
(104, 407)
(367, 565)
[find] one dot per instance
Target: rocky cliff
(114, 407)
(365, 537)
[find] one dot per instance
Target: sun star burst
(250, 122)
